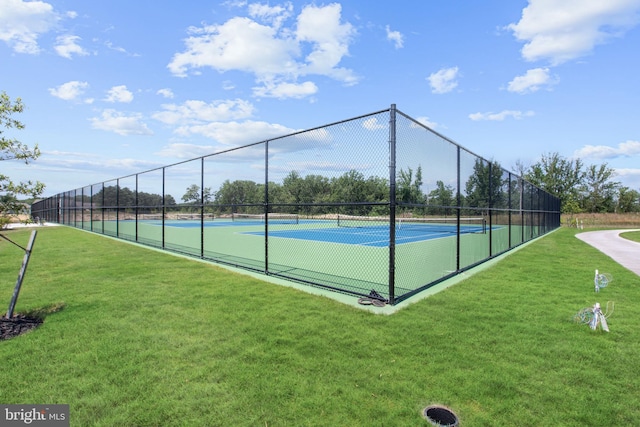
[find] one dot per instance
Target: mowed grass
(631, 235)
(150, 339)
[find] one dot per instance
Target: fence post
(458, 209)
(136, 209)
(118, 207)
(164, 206)
(91, 209)
(392, 203)
(510, 207)
(266, 207)
(490, 207)
(102, 217)
(201, 207)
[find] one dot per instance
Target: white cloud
(275, 15)
(285, 90)
(119, 49)
(69, 91)
(329, 38)
(186, 151)
(501, 115)
(200, 112)
(628, 172)
(269, 50)
(321, 136)
(559, 31)
(372, 123)
(22, 22)
(628, 177)
(531, 81)
(238, 44)
(236, 133)
(67, 45)
(122, 124)
(427, 122)
(396, 37)
(624, 149)
(444, 80)
(119, 94)
(167, 93)
(223, 121)
(66, 161)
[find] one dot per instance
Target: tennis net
(192, 216)
(424, 224)
(274, 218)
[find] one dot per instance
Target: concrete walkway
(624, 252)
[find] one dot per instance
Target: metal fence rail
(377, 203)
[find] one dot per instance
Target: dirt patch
(17, 325)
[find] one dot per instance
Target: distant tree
(484, 188)
(317, 189)
(350, 187)
(277, 194)
(441, 199)
(233, 194)
(12, 149)
(560, 177)
(154, 200)
(409, 187)
(192, 195)
(598, 190)
(293, 187)
(377, 188)
(520, 168)
(628, 200)
(112, 195)
(126, 197)
(310, 189)
(353, 187)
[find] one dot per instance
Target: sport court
(375, 232)
(346, 253)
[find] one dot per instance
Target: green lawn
(631, 235)
(150, 339)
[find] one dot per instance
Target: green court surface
(317, 252)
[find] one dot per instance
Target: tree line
(579, 188)
(353, 193)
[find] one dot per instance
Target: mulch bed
(17, 325)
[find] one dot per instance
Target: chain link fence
(377, 203)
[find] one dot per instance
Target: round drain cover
(440, 416)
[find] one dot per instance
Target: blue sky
(117, 87)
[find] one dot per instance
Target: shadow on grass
(24, 322)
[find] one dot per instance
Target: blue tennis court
(358, 236)
(374, 231)
(350, 232)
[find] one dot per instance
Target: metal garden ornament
(601, 280)
(594, 317)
